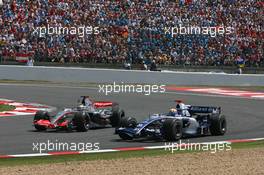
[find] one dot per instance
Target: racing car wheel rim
(86, 126)
(178, 131)
(223, 126)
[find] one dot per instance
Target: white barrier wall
(67, 74)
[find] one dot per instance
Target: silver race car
(88, 114)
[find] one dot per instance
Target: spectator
(240, 64)
(153, 66)
(144, 66)
(30, 62)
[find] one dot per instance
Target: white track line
(122, 149)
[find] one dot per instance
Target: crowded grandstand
(132, 31)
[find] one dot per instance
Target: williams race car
(184, 121)
(87, 115)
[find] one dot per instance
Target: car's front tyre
(172, 129)
(128, 122)
(41, 115)
(80, 122)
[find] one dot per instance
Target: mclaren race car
(87, 115)
(183, 121)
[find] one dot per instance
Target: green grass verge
(6, 108)
(109, 156)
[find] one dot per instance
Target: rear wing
(103, 104)
(205, 109)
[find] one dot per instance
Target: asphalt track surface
(245, 117)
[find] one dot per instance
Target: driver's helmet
(67, 110)
(173, 112)
(180, 105)
(85, 100)
(81, 107)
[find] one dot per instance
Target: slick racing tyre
(80, 122)
(41, 115)
(218, 125)
(122, 113)
(128, 122)
(115, 119)
(172, 129)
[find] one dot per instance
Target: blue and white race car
(182, 121)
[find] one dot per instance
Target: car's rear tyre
(172, 129)
(218, 125)
(115, 119)
(41, 115)
(122, 113)
(80, 122)
(128, 122)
